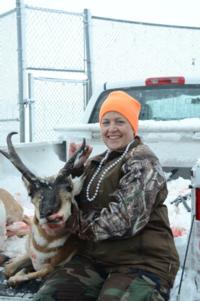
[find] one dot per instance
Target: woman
(128, 251)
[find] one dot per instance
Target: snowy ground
(180, 220)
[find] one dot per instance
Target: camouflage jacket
(129, 223)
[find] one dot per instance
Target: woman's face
(116, 131)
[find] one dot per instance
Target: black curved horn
(69, 165)
(13, 157)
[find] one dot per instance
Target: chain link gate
(55, 50)
(53, 102)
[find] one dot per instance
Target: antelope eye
(31, 192)
(68, 187)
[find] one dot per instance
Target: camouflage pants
(80, 280)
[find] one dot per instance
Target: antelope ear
(78, 184)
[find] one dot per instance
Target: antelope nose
(46, 213)
(49, 212)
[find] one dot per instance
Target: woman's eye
(116, 122)
(105, 122)
(120, 121)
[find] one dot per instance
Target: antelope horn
(69, 165)
(13, 157)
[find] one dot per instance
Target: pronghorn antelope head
(52, 197)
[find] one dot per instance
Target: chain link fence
(9, 109)
(63, 53)
(127, 51)
(54, 40)
(37, 41)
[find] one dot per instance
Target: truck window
(161, 102)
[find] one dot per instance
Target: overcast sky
(173, 12)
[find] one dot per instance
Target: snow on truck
(169, 124)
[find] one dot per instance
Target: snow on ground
(180, 220)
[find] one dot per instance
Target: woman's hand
(73, 147)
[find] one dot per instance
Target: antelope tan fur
(10, 212)
(14, 211)
(53, 199)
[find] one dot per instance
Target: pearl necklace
(90, 199)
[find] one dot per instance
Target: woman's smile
(116, 131)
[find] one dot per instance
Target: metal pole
(20, 11)
(30, 103)
(185, 258)
(87, 38)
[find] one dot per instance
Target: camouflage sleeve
(133, 201)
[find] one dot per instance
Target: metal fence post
(30, 103)
(20, 11)
(87, 37)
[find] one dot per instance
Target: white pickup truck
(169, 120)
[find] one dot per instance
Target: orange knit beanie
(123, 103)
